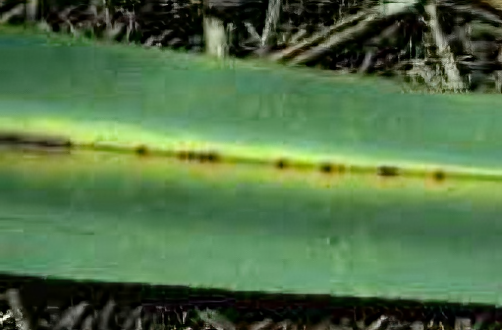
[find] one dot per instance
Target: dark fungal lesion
(142, 150)
(387, 171)
(39, 142)
(326, 168)
(185, 155)
(198, 156)
(281, 163)
(438, 175)
(210, 157)
(329, 168)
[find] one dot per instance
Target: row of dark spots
(327, 168)
(195, 156)
(332, 168)
(40, 142)
(384, 171)
(202, 157)
(393, 171)
(17, 140)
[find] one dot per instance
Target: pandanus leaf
(132, 165)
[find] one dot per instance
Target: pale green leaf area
(117, 217)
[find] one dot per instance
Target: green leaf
(409, 207)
